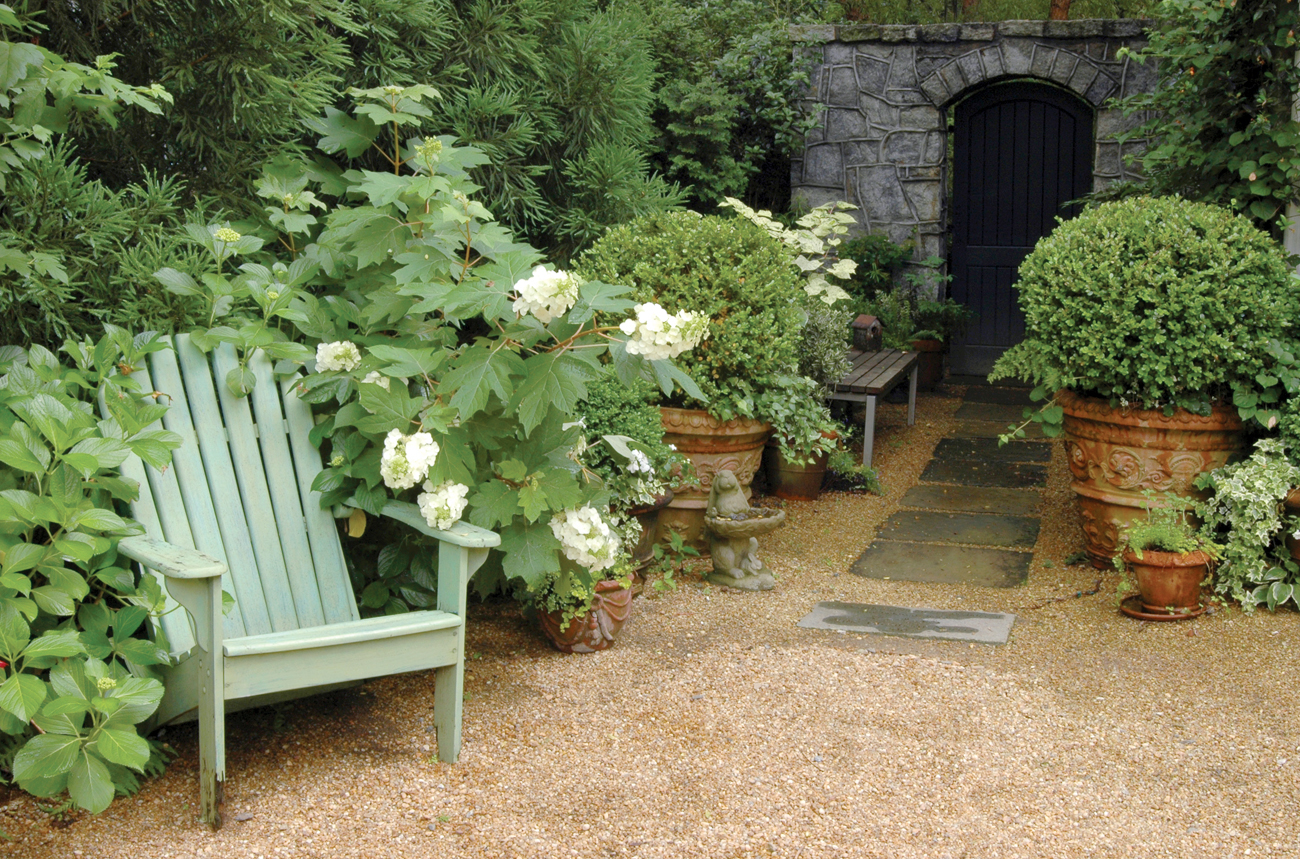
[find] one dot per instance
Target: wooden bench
(872, 375)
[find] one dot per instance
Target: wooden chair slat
(250, 474)
(283, 486)
(220, 480)
(337, 599)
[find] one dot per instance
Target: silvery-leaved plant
(814, 244)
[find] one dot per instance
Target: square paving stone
(984, 627)
(983, 382)
(1001, 396)
(975, 499)
(933, 562)
(980, 529)
(990, 412)
(980, 472)
(993, 429)
(989, 448)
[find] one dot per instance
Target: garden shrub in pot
(1148, 314)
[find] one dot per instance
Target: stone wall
(884, 92)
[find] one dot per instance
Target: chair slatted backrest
(239, 489)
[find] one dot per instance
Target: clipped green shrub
(726, 269)
(1153, 302)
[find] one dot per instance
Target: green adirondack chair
(236, 511)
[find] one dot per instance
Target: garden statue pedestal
(733, 528)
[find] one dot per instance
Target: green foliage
(824, 342)
(1153, 302)
(71, 615)
(846, 467)
(942, 11)
(727, 270)
(878, 259)
(622, 418)
(1244, 512)
(1221, 114)
(801, 424)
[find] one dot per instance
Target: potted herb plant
(1147, 319)
(1168, 560)
(804, 435)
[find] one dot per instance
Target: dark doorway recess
(1020, 151)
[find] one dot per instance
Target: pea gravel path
(717, 728)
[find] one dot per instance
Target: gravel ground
(717, 728)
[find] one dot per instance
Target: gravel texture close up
(715, 727)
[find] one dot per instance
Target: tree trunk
(1060, 10)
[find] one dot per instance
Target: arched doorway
(1021, 150)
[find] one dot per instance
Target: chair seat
(339, 634)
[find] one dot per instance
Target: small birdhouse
(866, 333)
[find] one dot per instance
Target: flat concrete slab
(976, 626)
(974, 499)
(1002, 396)
(990, 412)
(935, 562)
(980, 529)
(988, 448)
(993, 429)
(983, 381)
(982, 472)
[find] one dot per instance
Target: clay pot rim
(1087, 407)
(1157, 558)
(660, 502)
(676, 415)
(926, 344)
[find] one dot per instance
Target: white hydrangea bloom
(586, 539)
(374, 377)
(442, 505)
(407, 458)
(339, 355)
(640, 463)
(657, 334)
(546, 294)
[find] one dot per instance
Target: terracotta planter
(1116, 455)
(644, 551)
(712, 446)
(790, 481)
(1292, 506)
(1168, 583)
(594, 630)
(929, 370)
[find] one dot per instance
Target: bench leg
(911, 396)
(869, 431)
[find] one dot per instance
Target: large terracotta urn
(712, 446)
(1115, 455)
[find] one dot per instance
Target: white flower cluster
(546, 294)
(656, 333)
(638, 462)
(375, 377)
(586, 539)
(442, 505)
(407, 458)
(339, 355)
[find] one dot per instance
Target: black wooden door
(1020, 151)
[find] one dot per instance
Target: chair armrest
(174, 562)
(459, 534)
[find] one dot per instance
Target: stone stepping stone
(999, 412)
(993, 429)
(974, 499)
(1001, 396)
(980, 529)
(988, 448)
(935, 562)
(983, 627)
(980, 472)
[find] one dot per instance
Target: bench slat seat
(872, 375)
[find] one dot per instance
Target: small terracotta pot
(1292, 506)
(929, 370)
(594, 630)
(1169, 582)
(794, 482)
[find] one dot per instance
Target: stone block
(880, 194)
(858, 32)
(1107, 163)
(900, 232)
(1130, 155)
(935, 89)
(824, 166)
(1084, 74)
(934, 172)
(877, 51)
(953, 78)
(925, 198)
(978, 32)
(902, 68)
(812, 32)
(843, 88)
(926, 66)
(1063, 66)
(861, 153)
(899, 33)
(1017, 56)
(1085, 29)
(1027, 29)
(816, 134)
(992, 59)
(940, 32)
(844, 124)
(920, 118)
(873, 75)
(1126, 28)
(878, 113)
(936, 148)
(796, 172)
(1101, 89)
(812, 196)
(940, 50)
(1112, 122)
(903, 147)
(838, 54)
(906, 96)
(1139, 77)
(971, 68)
(1040, 63)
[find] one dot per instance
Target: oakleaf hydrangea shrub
(1152, 302)
(726, 270)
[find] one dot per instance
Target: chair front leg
(202, 598)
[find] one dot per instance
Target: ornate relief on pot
(743, 465)
(1101, 532)
(1137, 469)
